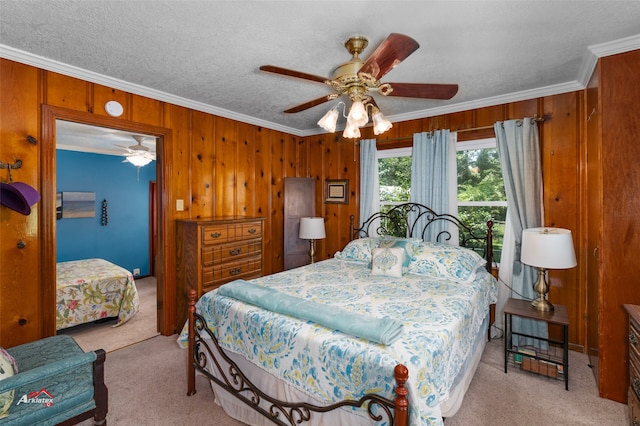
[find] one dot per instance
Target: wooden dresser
(213, 251)
(634, 364)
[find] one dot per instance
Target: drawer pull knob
(235, 271)
(216, 235)
(252, 231)
(633, 339)
(636, 386)
(235, 251)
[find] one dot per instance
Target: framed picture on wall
(336, 191)
(58, 205)
(78, 204)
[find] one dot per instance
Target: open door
(299, 201)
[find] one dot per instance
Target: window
(481, 195)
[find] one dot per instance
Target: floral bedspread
(91, 289)
(440, 321)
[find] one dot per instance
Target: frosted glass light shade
(548, 248)
(380, 123)
(138, 160)
(312, 228)
(358, 114)
(351, 130)
(329, 120)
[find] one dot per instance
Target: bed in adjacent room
(331, 342)
(92, 289)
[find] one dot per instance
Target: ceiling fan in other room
(138, 155)
(357, 78)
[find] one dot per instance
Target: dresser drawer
(217, 274)
(217, 234)
(634, 380)
(634, 343)
(249, 230)
(230, 251)
(634, 409)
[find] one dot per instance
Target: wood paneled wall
(224, 167)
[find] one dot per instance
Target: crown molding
(27, 58)
(587, 67)
(614, 47)
(590, 59)
(524, 95)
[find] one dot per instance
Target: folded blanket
(378, 330)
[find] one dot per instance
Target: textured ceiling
(206, 54)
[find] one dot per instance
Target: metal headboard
(405, 220)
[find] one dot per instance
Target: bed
(291, 369)
(92, 289)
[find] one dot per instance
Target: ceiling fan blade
(292, 73)
(426, 91)
(310, 104)
(393, 50)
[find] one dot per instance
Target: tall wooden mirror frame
(165, 264)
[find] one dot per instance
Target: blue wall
(125, 240)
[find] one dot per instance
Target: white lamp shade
(312, 228)
(549, 248)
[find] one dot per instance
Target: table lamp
(546, 248)
(312, 229)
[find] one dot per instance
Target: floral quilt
(91, 289)
(440, 320)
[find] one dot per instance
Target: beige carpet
(147, 386)
(141, 327)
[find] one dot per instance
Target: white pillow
(387, 261)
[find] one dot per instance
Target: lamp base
(542, 288)
(542, 305)
(312, 250)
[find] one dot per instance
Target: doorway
(97, 161)
(48, 175)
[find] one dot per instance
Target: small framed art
(336, 191)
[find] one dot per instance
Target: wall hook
(16, 165)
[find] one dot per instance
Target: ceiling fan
(138, 155)
(357, 78)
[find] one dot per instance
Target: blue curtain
(430, 169)
(519, 150)
(369, 180)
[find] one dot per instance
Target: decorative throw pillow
(407, 244)
(358, 250)
(440, 260)
(8, 368)
(387, 261)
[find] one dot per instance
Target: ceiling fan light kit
(138, 155)
(356, 78)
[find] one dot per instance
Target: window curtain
(369, 180)
(432, 163)
(519, 151)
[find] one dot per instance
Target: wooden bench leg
(101, 393)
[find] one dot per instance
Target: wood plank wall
(223, 167)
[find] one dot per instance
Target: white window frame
(479, 144)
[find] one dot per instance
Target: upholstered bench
(57, 383)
